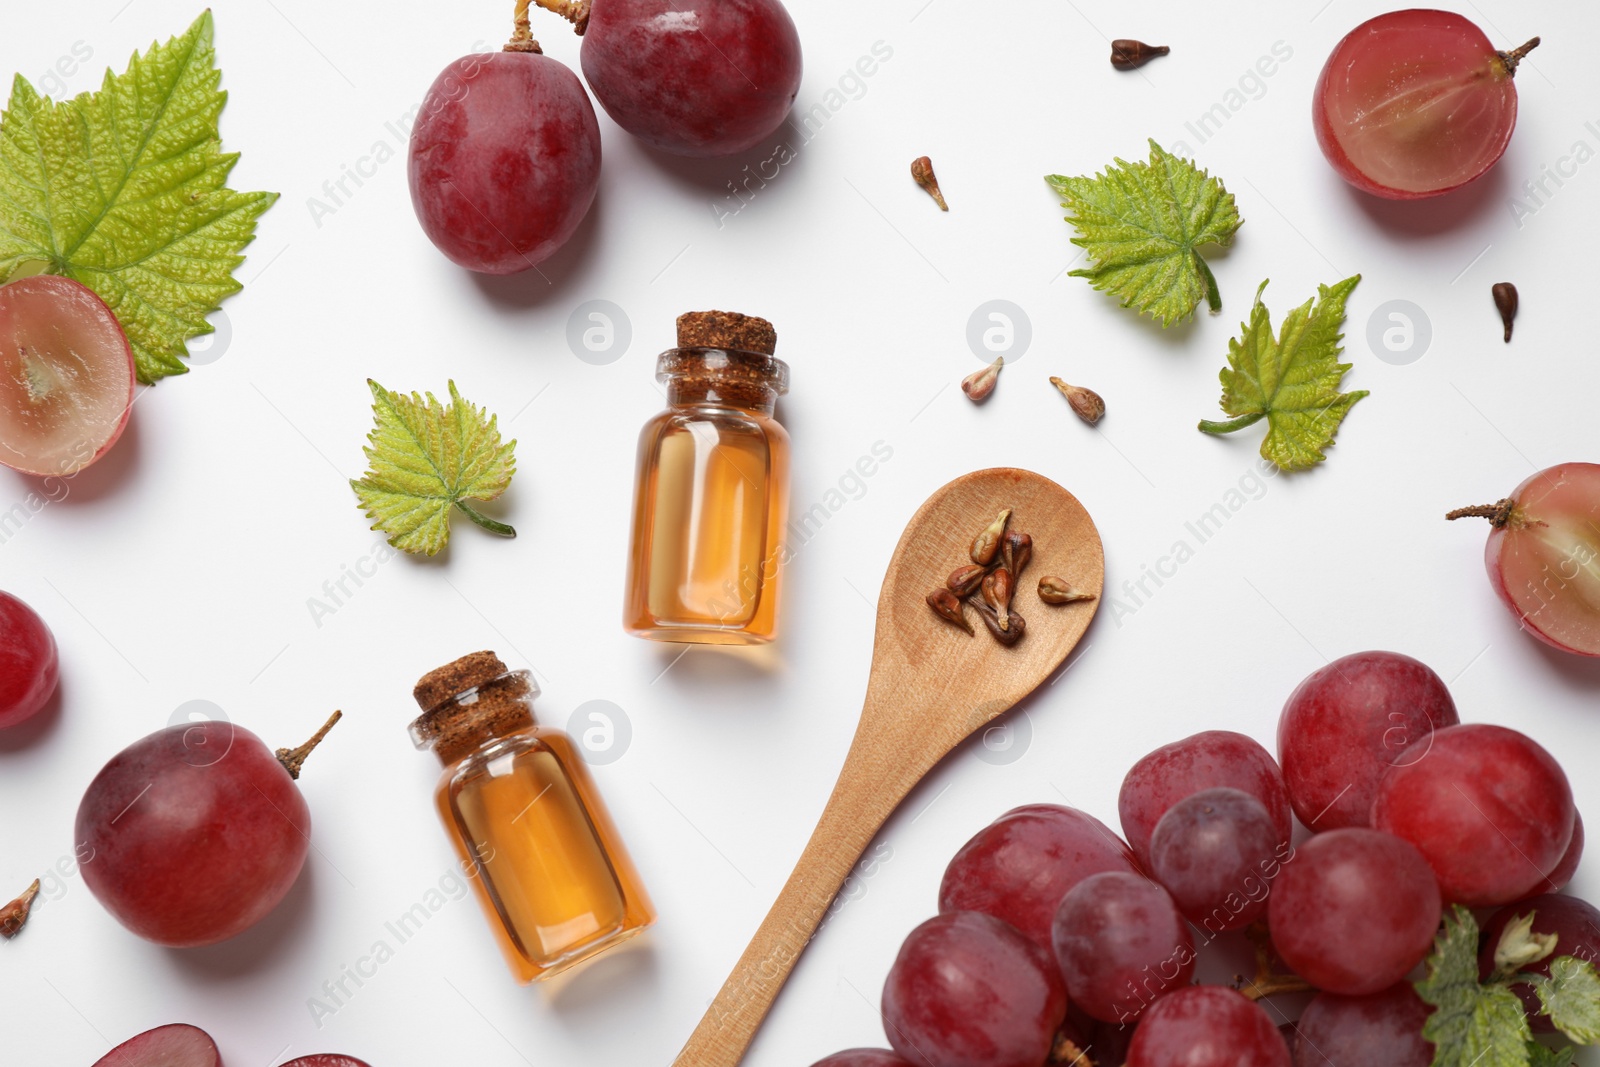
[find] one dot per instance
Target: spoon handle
(867, 791)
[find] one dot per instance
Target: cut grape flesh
(1543, 556)
(66, 376)
(1415, 103)
(175, 1045)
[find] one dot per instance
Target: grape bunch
(1057, 941)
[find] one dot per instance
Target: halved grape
(1488, 807)
(29, 667)
(66, 376)
(1207, 1026)
(505, 160)
(1415, 103)
(693, 77)
(174, 1045)
(1543, 555)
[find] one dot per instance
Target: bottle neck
(471, 719)
(723, 378)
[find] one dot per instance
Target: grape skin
(1217, 853)
(1382, 1029)
(29, 665)
(1413, 104)
(697, 78)
(1207, 1026)
(194, 833)
(966, 990)
(1347, 724)
(1354, 910)
(1558, 878)
(1020, 866)
(1121, 944)
(1542, 563)
(862, 1057)
(1202, 761)
(1576, 924)
(504, 160)
(1489, 808)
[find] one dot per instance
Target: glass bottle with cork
(523, 813)
(712, 491)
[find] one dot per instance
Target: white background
(181, 566)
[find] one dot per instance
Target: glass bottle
(522, 811)
(712, 491)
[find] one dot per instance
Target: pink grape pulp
(1414, 103)
(1207, 759)
(1545, 561)
(1207, 1026)
(1217, 852)
(1488, 807)
(29, 666)
(324, 1059)
(66, 376)
(1575, 923)
(693, 77)
(505, 160)
(194, 833)
(1354, 910)
(967, 990)
(1382, 1029)
(1347, 724)
(175, 1045)
(1121, 945)
(1020, 866)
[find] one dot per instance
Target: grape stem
(1266, 983)
(485, 521)
(1510, 59)
(1207, 426)
(293, 758)
(522, 32)
(1065, 1051)
(574, 11)
(1498, 514)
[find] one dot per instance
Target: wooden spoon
(931, 686)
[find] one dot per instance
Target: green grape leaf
(423, 458)
(1473, 1025)
(1141, 225)
(1291, 380)
(1571, 997)
(1540, 1056)
(125, 190)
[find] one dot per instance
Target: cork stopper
(726, 329)
(468, 672)
(470, 701)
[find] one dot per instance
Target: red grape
(175, 1045)
(1415, 103)
(505, 160)
(1348, 723)
(66, 376)
(1489, 808)
(1217, 853)
(1558, 878)
(1576, 924)
(693, 77)
(29, 667)
(194, 833)
(1377, 1030)
(1207, 1026)
(1178, 770)
(1354, 910)
(1121, 944)
(967, 990)
(862, 1057)
(1543, 555)
(1020, 866)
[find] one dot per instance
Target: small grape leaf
(125, 190)
(1141, 224)
(424, 457)
(1571, 997)
(1292, 380)
(1541, 1056)
(1472, 1025)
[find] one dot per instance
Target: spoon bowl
(931, 686)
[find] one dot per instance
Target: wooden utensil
(931, 686)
